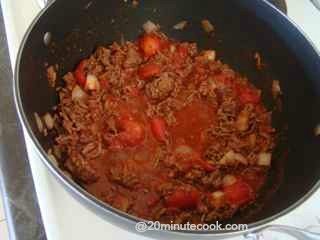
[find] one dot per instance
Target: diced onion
(210, 55)
(180, 25)
(317, 130)
(231, 157)
(92, 82)
(52, 157)
(276, 90)
(57, 152)
(207, 26)
(172, 48)
(217, 194)
(150, 27)
(48, 120)
(217, 199)
(264, 159)
(242, 122)
(38, 122)
(228, 180)
(258, 59)
(78, 94)
(183, 149)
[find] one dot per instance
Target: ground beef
(102, 55)
(160, 88)
(133, 57)
(163, 131)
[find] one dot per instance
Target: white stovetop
(66, 219)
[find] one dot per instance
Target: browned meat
(163, 131)
(102, 55)
(161, 87)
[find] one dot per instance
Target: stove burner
(280, 4)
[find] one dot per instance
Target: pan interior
(240, 31)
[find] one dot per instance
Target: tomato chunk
(247, 95)
(148, 71)
(182, 51)
(80, 74)
(149, 45)
(207, 166)
(238, 193)
(131, 134)
(183, 199)
(158, 128)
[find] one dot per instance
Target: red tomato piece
(80, 74)
(132, 134)
(164, 44)
(158, 128)
(182, 51)
(238, 193)
(207, 166)
(149, 45)
(247, 95)
(148, 71)
(183, 199)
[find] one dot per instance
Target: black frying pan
(242, 28)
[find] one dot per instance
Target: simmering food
(163, 131)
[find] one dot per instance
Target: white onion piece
(149, 27)
(172, 48)
(57, 152)
(180, 25)
(317, 130)
(264, 159)
(217, 199)
(228, 180)
(92, 82)
(207, 26)
(231, 157)
(78, 94)
(38, 122)
(276, 90)
(48, 120)
(210, 55)
(183, 149)
(217, 195)
(242, 122)
(53, 159)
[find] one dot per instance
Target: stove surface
(65, 218)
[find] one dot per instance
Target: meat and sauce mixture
(164, 131)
